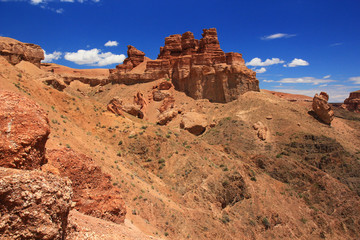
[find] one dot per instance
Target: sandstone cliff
(15, 51)
(197, 67)
(352, 103)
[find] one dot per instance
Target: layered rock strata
(197, 67)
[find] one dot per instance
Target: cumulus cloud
(356, 80)
(261, 70)
(278, 35)
(256, 62)
(94, 57)
(52, 56)
(111, 44)
(297, 62)
(327, 76)
(311, 80)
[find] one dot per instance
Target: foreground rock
(198, 68)
(24, 131)
(93, 192)
(34, 205)
(322, 108)
(352, 103)
(262, 130)
(193, 122)
(15, 51)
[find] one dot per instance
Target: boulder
(168, 103)
(93, 192)
(322, 109)
(262, 130)
(165, 85)
(193, 122)
(352, 103)
(134, 110)
(24, 130)
(34, 204)
(15, 51)
(165, 117)
(115, 106)
(159, 95)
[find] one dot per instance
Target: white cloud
(111, 44)
(35, 2)
(52, 56)
(278, 35)
(60, 10)
(268, 80)
(312, 80)
(297, 62)
(356, 80)
(94, 57)
(67, 1)
(261, 70)
(327, 76)
(336, 94)
(256, 62)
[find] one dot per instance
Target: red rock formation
(15, 51)
(352, 103)
(34, 205)
(24, 131)
(167, 116)
(198, 68)
(165, 85)
(135, 57)
(93, 192)
(322, 108)
(168, 103)
(116, 106)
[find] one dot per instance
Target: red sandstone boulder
(159, 95)
(168, 103)
(34, 205)
(24, 131)
(15, 51)
(322, 108)
(115, 106)
(93, 192)
(165, 85)
(193, 122)
(352, 103)
(165, 117)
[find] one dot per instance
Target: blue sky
(296, 46)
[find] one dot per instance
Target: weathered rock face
(322, 108)
(34, 205)
(198, 68)
(167, 116)
(193, 122)
(93, 192)
(15, 51)
(262, 130)
(24, 130)
(352, 103)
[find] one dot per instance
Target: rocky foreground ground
(130, 154)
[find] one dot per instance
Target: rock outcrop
(15, 51)
(165, 117)
(352, 103)
(198, 68)
(24, 130)
(116, 106)
(34, 205)
(322, 109)
(193, 122)
(93, 192)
